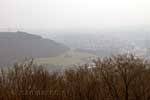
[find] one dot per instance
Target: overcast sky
(74, 14)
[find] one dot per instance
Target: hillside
(18, 45)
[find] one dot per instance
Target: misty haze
(74, 49)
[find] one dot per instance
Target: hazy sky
(74, 14)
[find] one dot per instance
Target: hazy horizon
(135, 33)
(74, 15)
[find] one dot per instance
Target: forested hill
(18, 45)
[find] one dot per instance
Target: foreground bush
(122, 77)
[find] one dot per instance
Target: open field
(70, 58)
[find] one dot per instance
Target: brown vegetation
(122, 77)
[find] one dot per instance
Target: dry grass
(122, 77)
(70, 58)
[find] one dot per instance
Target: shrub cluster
(122, 77)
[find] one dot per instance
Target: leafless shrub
(122, 77)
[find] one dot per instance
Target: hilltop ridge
(16, 45)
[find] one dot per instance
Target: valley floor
(72, 57)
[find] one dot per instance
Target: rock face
(16, 45)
